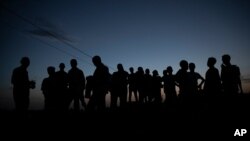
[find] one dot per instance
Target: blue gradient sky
(149, 33)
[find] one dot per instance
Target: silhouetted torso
(230, 76)
(49, 89)
(119, 88)
(182, 80)
(156, 87)
(132, 85)
(89, 86)
(101, 78)
(20, 79)
(62, 89)
(62, 81)
(140, 84)
(193, 78)
(169, 87)
(149, 93)
(212, 84)
(101, 84)
(21, 86)
(76, 81)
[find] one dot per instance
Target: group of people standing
(60, 88)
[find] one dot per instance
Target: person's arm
(202, 80)
(239, 80)
(32, 84)
(175, 81)
(13, 77)
(240, 86)
(43, 87)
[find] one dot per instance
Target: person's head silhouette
(140, 69)
(211, 62)
(155, 73)
(226, 59)
(51, 70)
(165, 72)
(25, 62)
(131, 69)
(169, 70)
(120, 67)
(73, 63)
(191, 67)
(61, 66)
(184, 65)
(147, 71)
(96, 60)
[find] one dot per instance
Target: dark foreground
(219, 118)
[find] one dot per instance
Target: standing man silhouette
(76, 81)
(49, 90)
(169, 86)
(22, 85)
(119, 82)
(230, 76)
(182, 79)
(132, 85)
(212, 84)
(193, 77)
(62, 87)
(101, 82)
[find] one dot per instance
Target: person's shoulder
(126, 73)
(198, 74)
(115, 73)
(17, 69)
(179, 71)
(79, 70)
(235, 69)
(235, 66)
(45, 79)
(214, 70)
(89, 77)
(105, 67)
(70, 71)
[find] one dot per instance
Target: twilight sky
(149, 33)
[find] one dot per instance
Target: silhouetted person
(62, 87)
(149, 95)
(49, 90)
(76, 81)
(132, 85)
(89, 86)
(193, 86)
(212, 84)
(156, 87)
(119, 82)
(169, 86)
(182, 79)
(22, 85)
(101, 84)
(230, 77)
(140, 84)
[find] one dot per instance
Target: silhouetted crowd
(61, 88)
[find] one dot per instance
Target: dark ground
(221, 119)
